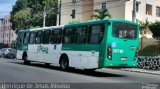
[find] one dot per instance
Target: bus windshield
(124, 30)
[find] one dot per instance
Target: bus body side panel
(82, 59)
(78, 58)
(19, 54)
(103, 48)
(47, 53)
(82, 56)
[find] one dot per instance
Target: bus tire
(90, 70)
(47, 64)
(64, 62)
(25, 59)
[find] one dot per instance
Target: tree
(20, 5)
(21, 18)
(50, 11)
(155, 28)
(29, 13)
(101, 14)
(144, 27)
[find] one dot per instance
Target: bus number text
(118, 51)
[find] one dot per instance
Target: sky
(6, 7)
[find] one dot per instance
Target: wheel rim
(64, 64)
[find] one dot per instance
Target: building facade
(1, 32)
(75, 10)
(7, 34)
(121, 9)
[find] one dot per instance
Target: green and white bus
(86, 45)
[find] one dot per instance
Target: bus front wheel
(25, 59)
(64, 63)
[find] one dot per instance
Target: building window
(73, 13)
(158, 11)
(148, 9)
(103, 5)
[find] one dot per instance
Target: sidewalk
(156, 72)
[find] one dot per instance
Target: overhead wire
(77, 5)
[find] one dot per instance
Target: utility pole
(2, 29)
(44, 16)
(10, 34)
(60, 1)
(134, 11)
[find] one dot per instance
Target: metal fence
(149, 53)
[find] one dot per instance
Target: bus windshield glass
(124, 30)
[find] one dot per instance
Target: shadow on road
(72, 70)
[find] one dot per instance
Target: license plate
(123, 58)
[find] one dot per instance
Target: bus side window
(39, 37)
(69, 35)
(32, 37)
(81, 34)
(101, 34)
(56, 36)
(46, 37)
(26, 38)
(96, 34)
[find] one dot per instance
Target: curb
(155, 72)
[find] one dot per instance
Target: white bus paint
(19, 54)
(77, 59)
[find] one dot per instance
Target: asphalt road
(14, 71)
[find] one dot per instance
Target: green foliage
(144, 27)
(22, 16)
(29, 13)
(155, 28)
(37, 20)
(101, 14)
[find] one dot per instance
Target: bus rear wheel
(64, 63)
(90, 70)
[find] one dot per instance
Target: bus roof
(81, 23)
(45, 28)
(101, 21)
